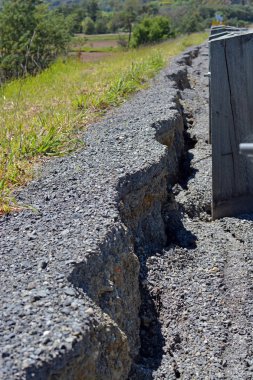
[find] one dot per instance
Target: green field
(44, 115)
(97, 42)
(103, 37)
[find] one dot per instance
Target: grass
(102, 37)
(97, 42)
(42, 116)
(87, 49)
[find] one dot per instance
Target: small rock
(31, 285)
(5, 354)
(46, 340)
(75, 305)
(66, 310)
(69, 291)
(43, 264)
(89, 311)
(32, 235)
(65, 232)
(26, 363)
(39, 294)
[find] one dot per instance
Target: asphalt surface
(59, 292)
(196, 314)
(201, 284)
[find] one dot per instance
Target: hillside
(57, 3)
(204, 2)
(63, 2)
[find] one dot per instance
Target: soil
(94, 56)
(102, 44)
(91, 56)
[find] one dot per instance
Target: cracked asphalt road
(203, 280)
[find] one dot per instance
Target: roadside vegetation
(184, 16)
(43, 115)
(33, 33)
(98, 43)
(63, 64)
(31, 37)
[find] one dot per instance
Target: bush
(194, 15)
(191, 23)
(102, 22)
(151, 29)
(88, 26)
(31, 37)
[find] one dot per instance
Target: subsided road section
(201, 283)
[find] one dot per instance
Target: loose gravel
(200, 286)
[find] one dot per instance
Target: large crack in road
(75, 314)
(197, 315)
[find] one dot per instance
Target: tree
(125, 18)
(151, 29)
(92, 9)
(31, 37)
(132, 8)
(191, 23)
(74, 14)
(102, 22)
(151, 8)
(88, 26)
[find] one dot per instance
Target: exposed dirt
(197, 294)
(93, 56)
(102, 44)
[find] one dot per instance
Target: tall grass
(43, 115)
